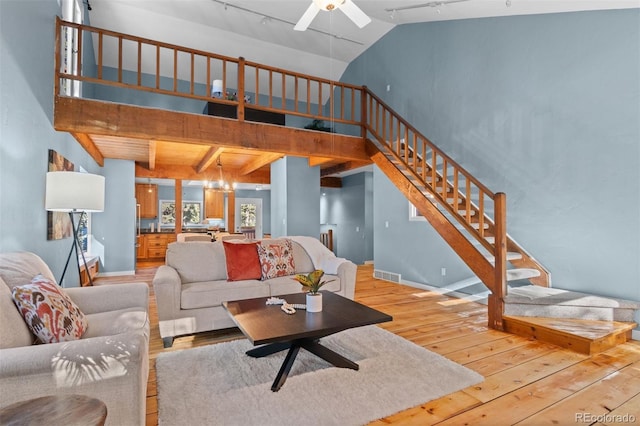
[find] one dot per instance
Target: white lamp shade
(69, 191)
(216, 86)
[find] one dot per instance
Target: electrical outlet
(443, 271)
(357, 229)
(386, 223)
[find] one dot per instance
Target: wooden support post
(231, 212)
(499, 290)
(241, 64)
(363, 112)
(178, 210)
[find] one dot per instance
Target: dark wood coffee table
(269, 326)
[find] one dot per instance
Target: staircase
(472, 220)
(468, 216)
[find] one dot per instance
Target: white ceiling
(325, 50)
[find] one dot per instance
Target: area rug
(220, 385)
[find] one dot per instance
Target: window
(72, 12)
(191, 212)
(247, 214)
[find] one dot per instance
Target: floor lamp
(74, 192)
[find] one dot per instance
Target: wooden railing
(479, 210)
(131, 62)
(123, 61)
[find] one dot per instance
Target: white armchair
(110, 362)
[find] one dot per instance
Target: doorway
(248, 214)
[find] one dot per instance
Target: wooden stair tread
(584, 336)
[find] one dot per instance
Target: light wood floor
(526, 382)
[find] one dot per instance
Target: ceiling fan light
(328, 4)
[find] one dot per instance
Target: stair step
(583, 336)
(521, 273)
(536, 301)
(512, 275)
(511, 255)
(476, 225)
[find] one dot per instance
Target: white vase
(314, 302)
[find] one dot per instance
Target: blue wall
(349, 212)
(295, 198)
(26, 131)
(545, 108)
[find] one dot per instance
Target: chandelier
(223, 184)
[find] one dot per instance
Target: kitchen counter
(172, 231)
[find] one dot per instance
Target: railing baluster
(100, 54)
(157, 66)
(79, 54)
(192, 73)
(175, 70)
(295, 98)
(119, 59)
(139, 76)
(319, 98)
(308, 96)
(208, 90)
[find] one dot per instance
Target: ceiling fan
(348, 7)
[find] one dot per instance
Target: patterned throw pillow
(49, 313)
(276, 258)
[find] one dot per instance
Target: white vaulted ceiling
(262, 30)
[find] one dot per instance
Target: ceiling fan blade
(308, 16)
(354, 13)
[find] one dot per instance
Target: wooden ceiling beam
(317, 161)
(258, 162)
(87, 143)
(343, 167)
(212, 155)
(88, 116)
(331, 182)
(189, 173)
(152, 154)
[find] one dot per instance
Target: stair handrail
(376, 124)
(375, 115)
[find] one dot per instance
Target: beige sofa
(191, 287)
(110, 362)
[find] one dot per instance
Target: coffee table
(272, 330)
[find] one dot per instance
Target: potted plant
(311, 283)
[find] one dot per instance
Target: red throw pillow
(276, 258)
(242, 261)
(50, 314)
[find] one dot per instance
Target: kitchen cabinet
(213, 203)
(155, 245)
(142, 247)
(147, 197)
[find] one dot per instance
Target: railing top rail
(144, 40)
(450, 160)
(302, 75)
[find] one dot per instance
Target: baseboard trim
(115, 274)
(635, 334)
(368, 262)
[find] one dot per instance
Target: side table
(54, 410)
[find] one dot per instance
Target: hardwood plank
(602, 398)
(525, 380)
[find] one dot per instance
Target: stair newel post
(241, 63)
(363, 112)
(499, 290)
